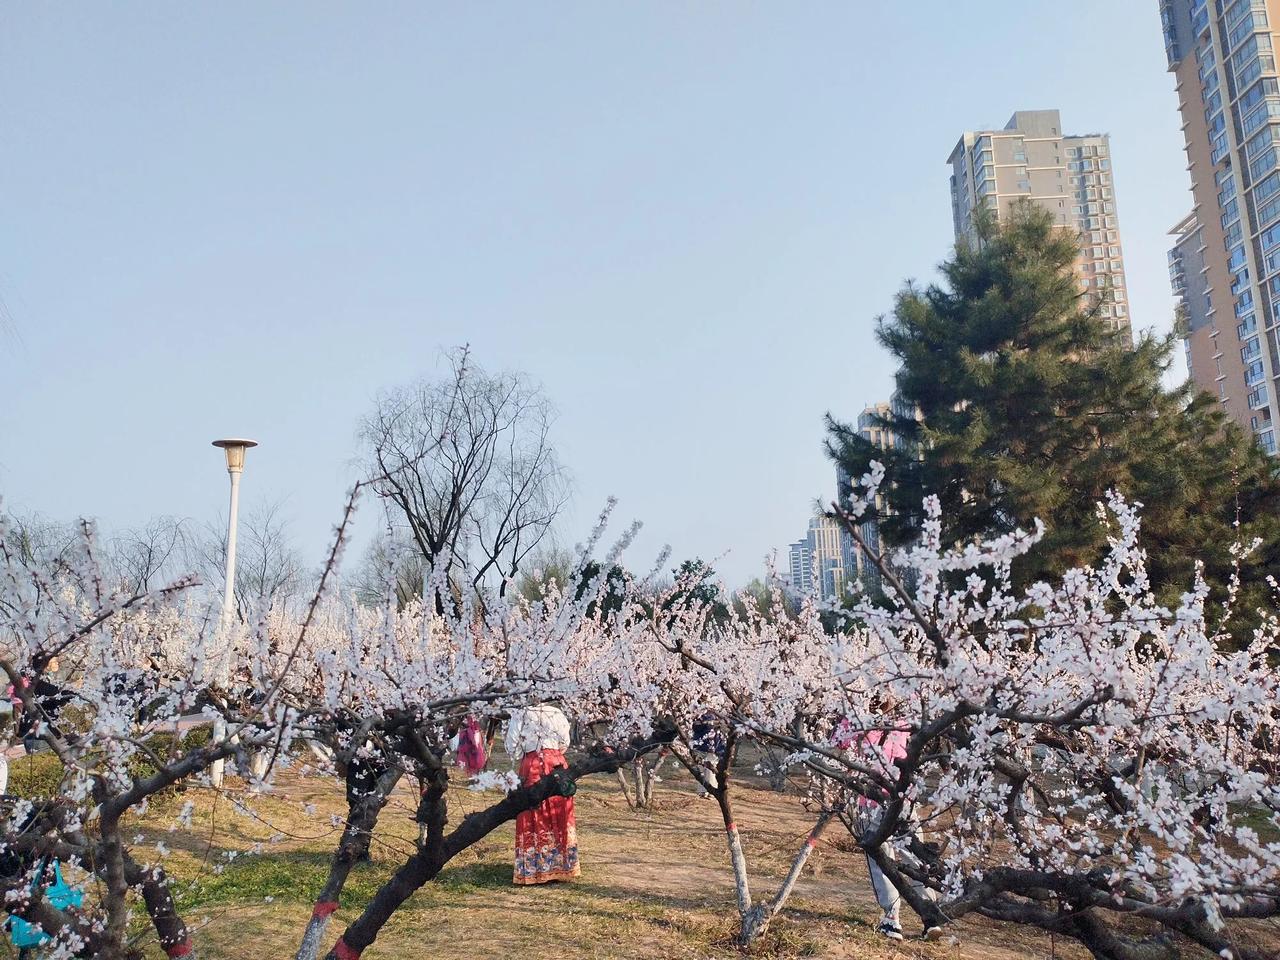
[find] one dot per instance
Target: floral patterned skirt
(546, 838)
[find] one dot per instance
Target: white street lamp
(234, 449)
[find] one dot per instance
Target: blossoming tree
(136, 662)
(1075, 753)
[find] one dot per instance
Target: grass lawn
(654, 885)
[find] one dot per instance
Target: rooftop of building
(1033, 123)
(1186, 225)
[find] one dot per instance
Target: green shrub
(35, 776)
(162, 745)
(197, 737)
(40, 774)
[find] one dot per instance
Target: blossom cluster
(1075, 737)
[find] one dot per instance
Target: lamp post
(234, 448)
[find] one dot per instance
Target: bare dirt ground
(654, 885)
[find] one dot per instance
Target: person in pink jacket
(881, 747)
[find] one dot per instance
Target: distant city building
(1225, 263)
(856, 564)
(817, 562)
(826, 544)
(872, 431)
(829, 557)
(850, 555)
(800, 574)
(1187, 277)
(1067, 175)
(883, 438)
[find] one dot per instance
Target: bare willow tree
(269, 566)
(40, 541)
(467, 466)
(392, 563)
(134, 559)
(156, 552)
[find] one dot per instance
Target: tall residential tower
(1225, 264)
(1068, 175)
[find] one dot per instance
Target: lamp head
(234, 449)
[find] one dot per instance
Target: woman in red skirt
(546, 838)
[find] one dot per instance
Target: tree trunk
(112, 852)
(644, 776)
(755, 922)
(774, 769)
(741, 883)
(626, 790)
(651, 777)
(362, 817)
(439, 848)
(171, 930)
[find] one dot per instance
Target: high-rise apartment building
(800, 566)
(1067, 175)
(826, 546)
(857, 565)
(818, 559)
(1225, 263)
(883, 439)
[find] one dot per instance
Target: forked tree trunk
(753, 918)
(644, 777)
(755, 922)
(362, 817)
(439, 848)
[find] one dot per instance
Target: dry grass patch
(654, 885)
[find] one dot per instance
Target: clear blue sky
(682, 218)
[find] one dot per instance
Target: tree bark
(171, 929)
(111, 850)
(362, 817)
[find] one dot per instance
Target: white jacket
(537, 728)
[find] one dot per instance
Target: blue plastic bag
(59, 893)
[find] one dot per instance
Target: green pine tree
(1029, 406)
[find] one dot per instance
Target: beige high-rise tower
(1068, 175)
(1225, 263)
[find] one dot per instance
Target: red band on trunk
(323, 909)
(731, 827)
(344, 952)
(179, 949)
(812, 841)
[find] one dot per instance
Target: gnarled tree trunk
(363, 809)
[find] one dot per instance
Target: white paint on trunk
(312, 939)
(739, 861)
